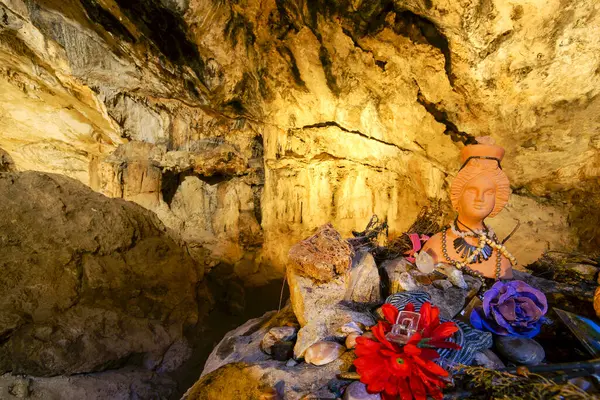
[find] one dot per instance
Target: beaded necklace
(484, 240)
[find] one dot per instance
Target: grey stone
(358, 391)
(442, 284)
(450, 301)
(277, 334)
(488, 359)
(365, 283)
(520, 350)
(20, 388)
(282, 351)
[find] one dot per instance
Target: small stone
(322, 353)
(349, 376)
(473, 285)
(581, 383)
(450, 301)
(291, 363)
(358, 391)
(454, 275)
(353, 327)
(520, 350)
(488, 359)
(269, 394)
(277, 334)
(282, 351)
(351, 340)
(20, 388)
(442, 284)
(406, 282)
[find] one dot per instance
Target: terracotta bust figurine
(480, 190)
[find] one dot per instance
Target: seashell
(424, 262)
(275, 335)
(322, 353)
(352, 327)
(351, 340)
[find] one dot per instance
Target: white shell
(322, 353)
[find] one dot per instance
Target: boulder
(365, 283)
(322, 307)
(323, 256)
(87, 282)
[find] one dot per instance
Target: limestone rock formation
(276, 117)
(88, 282)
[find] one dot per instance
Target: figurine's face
(478, 198)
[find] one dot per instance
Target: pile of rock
(305, 350)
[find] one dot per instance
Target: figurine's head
(481, 188)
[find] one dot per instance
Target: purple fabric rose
(511, 309)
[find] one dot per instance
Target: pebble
(324, 352)
(358, 391)
(291, 363)
(20, 388)
(353, 327)
(282, 351)
(351, 340)
(520, 350)
(488, 359)
(278, 334)
(581, 383)
(454, 275)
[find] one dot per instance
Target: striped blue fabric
(470, 339)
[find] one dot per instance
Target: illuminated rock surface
(330, 113)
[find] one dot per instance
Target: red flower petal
(417, 387)
(415, 339)
(409, 307)
(404, 390)
(444, 331)
(390, 313)
(429, 354)
(379, 332)
(425, 312)
(411, 350)
(430, 366)
(391, 386)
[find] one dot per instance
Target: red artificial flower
(405, 371)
